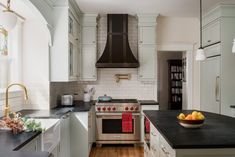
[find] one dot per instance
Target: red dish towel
(147, 125)
(127, 122)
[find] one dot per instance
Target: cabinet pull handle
(217, 89)
(165, 151)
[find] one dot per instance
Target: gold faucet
(7, 108)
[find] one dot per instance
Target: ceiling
(176, 8)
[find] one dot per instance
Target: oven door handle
(115, 114)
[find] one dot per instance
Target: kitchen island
(167, 138)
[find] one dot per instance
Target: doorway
(172, 78)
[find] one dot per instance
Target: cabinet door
(79, 135)
(89, 71)
(65, 136)
(211, 33)
(89, 35)
(147, 35)
(147, 59)
(55, 152)
(32, 146)
(210, 85)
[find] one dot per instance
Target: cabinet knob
(141, 76)
(94, 76)
(94, 42)
(209, 41)
(141, 41)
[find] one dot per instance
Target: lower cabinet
(142, 117)
(81, 134)
(158, 146)
(33, 146)
(65, 136)
(56, 151)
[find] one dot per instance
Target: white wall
(182, 30)
(36, 64)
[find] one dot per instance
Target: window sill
(3, 91)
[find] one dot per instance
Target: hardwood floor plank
(117, 151)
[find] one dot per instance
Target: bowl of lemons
(194, 120)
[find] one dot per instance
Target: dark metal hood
(117, 52)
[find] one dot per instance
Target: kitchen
(91, 72)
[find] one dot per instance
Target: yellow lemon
(201, 117)
(181, 116)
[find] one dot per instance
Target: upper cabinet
(89, 47)
(147, 35)
(147, 47)
(65, 50)
(217, 73)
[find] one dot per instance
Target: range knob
(114, 108)
(132, 108)
(98, 108)
(109, 108)
(136, 108)
(126, 108)
(104, 108)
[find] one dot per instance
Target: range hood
(117, 52)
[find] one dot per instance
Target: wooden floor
(117, 151)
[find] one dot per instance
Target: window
(3, 41)
(10, 55)
(4, 77)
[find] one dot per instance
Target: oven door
(109, 127)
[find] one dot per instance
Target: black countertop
(59, 111)
(148, 102)
(11, 142)
(217, 132)
(24, 154)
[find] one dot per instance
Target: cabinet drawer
(213, 50)
(211, 33)
(166, 149)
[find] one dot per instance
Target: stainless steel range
(109, 121)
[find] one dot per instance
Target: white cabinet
(210, 84)
(81, 134)
(211, 33)
(147, 35)
(33, 146)
(147, 47)
(65, 50)
(147, 59)
(89, 34)
(142, 117)
(217, 73)
(56, 152)
(89, 48)
(89, 57)
(65, 136)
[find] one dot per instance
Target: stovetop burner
(119, 101)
